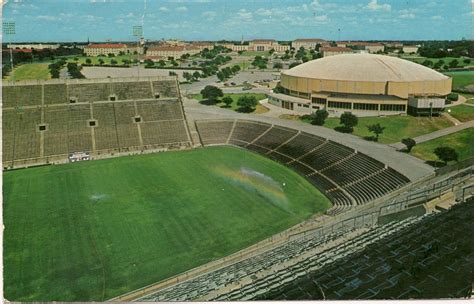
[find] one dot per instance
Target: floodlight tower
(9, 30)
(138, 33)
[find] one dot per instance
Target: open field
(462, 142)
(31, 71)
(256, 53)
(95, 230)
(396, 127)
(447, 60)
(462, 112)
(235, 97)
(461, 78)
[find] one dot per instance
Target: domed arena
(367, 84)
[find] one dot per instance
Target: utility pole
(138, 33)
(9, 30)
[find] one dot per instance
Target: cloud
(438, 17)
(321, 18)
(209, 14)
(373, 5)
(163, 9)
(182, 9)
(244, 14)
(407, 16)
(47, 18)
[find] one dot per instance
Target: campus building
(111, 48)
(171, 52)
(307, 43)
(34, 46)
(258, 45)
(371, 47)
(335, 50)
(410, 49)
(366, 84)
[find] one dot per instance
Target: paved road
(406, 164)
(436, 134)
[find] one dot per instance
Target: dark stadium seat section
(45, 122)
(431, 259)
(346, 176)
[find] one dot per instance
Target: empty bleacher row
(80, 92)
(346, 176)
(44, 134)
(434, 258)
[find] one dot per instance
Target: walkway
(436, 134)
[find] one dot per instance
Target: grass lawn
(461, 78)
(31, 71)
(462, 112)
(447, 60)
(396, 127)
(462, 142)
(235, 97)
(94, 230)
(255, 53)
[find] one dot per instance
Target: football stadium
(113, 190)
(367, 84)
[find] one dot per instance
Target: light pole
(9, 30)
(137, 33)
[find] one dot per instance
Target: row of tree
(246, 103)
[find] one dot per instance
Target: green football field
(95, 230)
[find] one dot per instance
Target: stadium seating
(428, 258)
(105, 131)
(156, 110)
(43, 122)
(131, 90)
(346, 176)
(89, 92)
(56, 138)
(27, 95)
(55, 94)
(166, 89)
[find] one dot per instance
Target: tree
(409, 143)
(227, 100)
(211, 93)
(446, 154)
(235, 68)
(187, 76)
(247, 103)
(319, 117)
(349, 121)
(278, 65)
(293, 64)
(196, 75)
(161, 63)
(111, 55)
(101, 61)
(377, 129)
(220, 76)
(454, 63)
(467, 60)
(113, 62)
(88, 61)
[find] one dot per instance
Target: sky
(101, 20)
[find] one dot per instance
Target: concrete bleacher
(46, 121)
(28, 95)
(430, 258)
(346, 176)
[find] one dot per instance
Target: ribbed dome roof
(364, 67)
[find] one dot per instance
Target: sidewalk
(436, 134)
